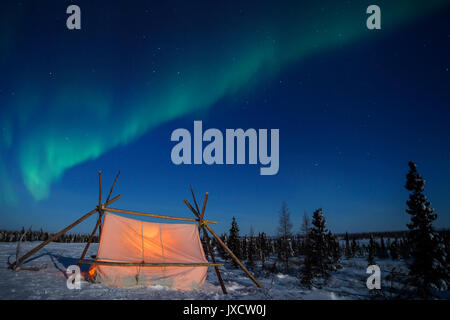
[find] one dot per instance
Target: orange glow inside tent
(129, 240)
(92, 271)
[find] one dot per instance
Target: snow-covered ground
(50, 283)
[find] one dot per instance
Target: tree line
(30, 235)
(315, 252)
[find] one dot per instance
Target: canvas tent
(133, 252)
(130, 240)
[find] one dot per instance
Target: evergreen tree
(306, 272)
(428, 268)
(222, 252)
(294, 245)
(233, 241)
(264, 247)
(244, 247)
(371, 252)
(388, 247)
(393, 248)
(404, 249)
(318, 257)
(251, 250)
(304, 233)
(354, 249)
(382, 252)
(285, 234)
(334, 251)
(306, 225)
(348, 251)
(446, 240)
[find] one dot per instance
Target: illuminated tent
(134, 253)
(126, 240)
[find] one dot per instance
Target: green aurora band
(49, 127)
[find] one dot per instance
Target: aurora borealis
(70, 97)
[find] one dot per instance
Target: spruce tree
(427, 269)
(223, 254)
(371, 252)
(393, 248)
(285, 234)
(304, 231)
(306, 225)
(244, 247)
(334, 251)
(348, 252)
(306, 272)
(404, 249)
(264, 248)
(354, 249)
(234, 242)
(318, 253)
(251, 250)
(382, 251)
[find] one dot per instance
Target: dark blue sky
(353, 106)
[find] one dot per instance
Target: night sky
(353, 106)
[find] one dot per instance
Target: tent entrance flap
(138, 253)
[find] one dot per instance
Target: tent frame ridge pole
(206, 238)
(137, 213)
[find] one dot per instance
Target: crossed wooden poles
(101, 208)
(203, 225)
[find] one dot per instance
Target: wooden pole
(99, 223)
(192, 209)
(211, 254)
(199, 216)
(57, 235)
(204, 205)
(152, 215)
(100, 211)
(89, 242)
(206, 238)
(99, 188)
(195, 201)
(143, 264)
(107, 203)
(112, 187)
(227, 249)
(233, 256)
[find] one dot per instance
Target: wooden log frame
(203, 225)
(57, 235)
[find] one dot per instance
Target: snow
(50, 282)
